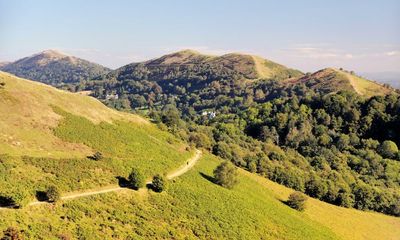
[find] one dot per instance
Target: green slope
(195, 208)
(47, 135)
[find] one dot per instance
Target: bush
(226, 175)
(297, 200)
(53, 194)
(388, 149)
(97, 156)
(136, 179)
(159, 183)
(11, 233)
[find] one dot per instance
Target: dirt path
(180, 171)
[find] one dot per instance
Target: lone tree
(388, 149)
(297, 200)
(226, 175)
(159, 183)
(53, 194)
(136, 179)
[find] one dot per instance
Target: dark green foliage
(53, 194)
(136, 179)
(159, 183)
(388, 149)
(12, 233)
(297, 200)
(226, 175)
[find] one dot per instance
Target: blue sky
(358, 35)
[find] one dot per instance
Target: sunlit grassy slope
(46, 136)
(27, 118)
(331, 80)
(195, 208)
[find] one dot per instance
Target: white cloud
(392, 53)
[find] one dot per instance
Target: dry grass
(27, 118)
(346, 223)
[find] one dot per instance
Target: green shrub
(53, 194)
(388, 149)
(159, 183)
(136, 179)
(97, 156)
(297, 200)
(226, 175)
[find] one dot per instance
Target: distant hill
(192, 65)
(2, 64)
(331, 80)
(54, 68)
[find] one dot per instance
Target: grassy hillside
(47, 135)
(333, 80)
(30, 111)
(195, 208)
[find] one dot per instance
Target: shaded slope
(55, 68)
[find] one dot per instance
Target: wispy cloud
(318, 53)
(392, 53)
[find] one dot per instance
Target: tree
(53, 194)
(226, 175)
(11, 233)
(297, 200)
(136, 179)
(159, 183)
(388, 149)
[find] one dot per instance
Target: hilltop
(191, 67)
(55, 68)
(332, 80)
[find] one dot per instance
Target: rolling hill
(54, 68)
(332, 80)
(192, 65)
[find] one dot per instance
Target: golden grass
(346, 223)
(27, 118)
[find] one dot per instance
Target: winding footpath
(180, 171)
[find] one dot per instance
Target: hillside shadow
(207, 177)
(122, 182)
(6, 202)
(41, 196)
